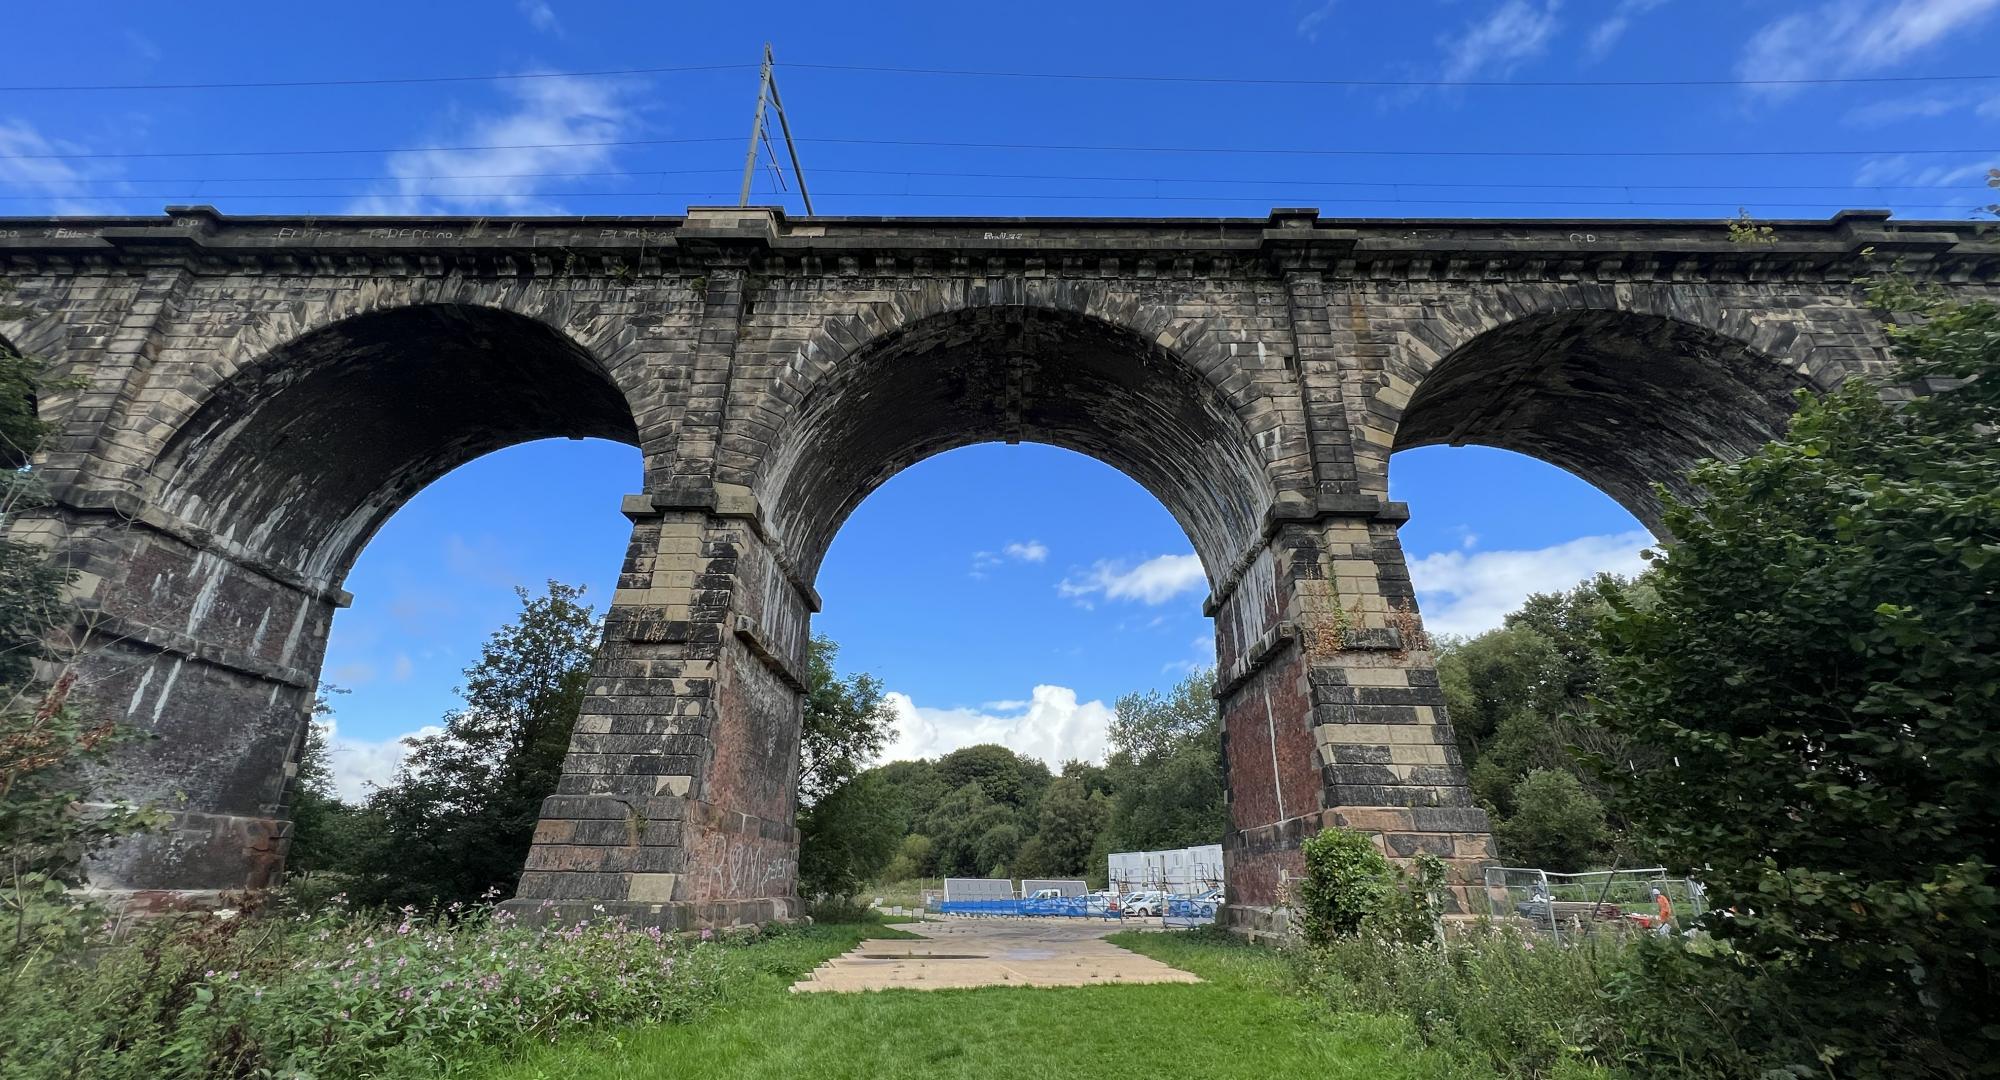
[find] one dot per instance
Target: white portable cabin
(1175, 870)
(1062, 886)
(961, 888)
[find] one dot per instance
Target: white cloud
(1202, 647)
(1155, 581)
(541, 16)
(1516, 31)
(1605, 35)
(1853, 37)
(27, 169)
(549, 130)
(1962, 182)
(1465, 592)
(1923, 107)
(1032, 551)
(1052, 726)
(403, 668)
(359, 765)
(1309, 26)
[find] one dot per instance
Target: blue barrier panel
(1067, 907)
(1188, 912)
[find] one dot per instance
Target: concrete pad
(957, 953)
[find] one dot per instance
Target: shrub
(1350, 886)
(1346, 878)
(335, 994)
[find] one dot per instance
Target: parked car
(1145, 904)
(1212, 896)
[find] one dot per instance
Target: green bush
(1349, 887)
(334, 994)
(1345, 879)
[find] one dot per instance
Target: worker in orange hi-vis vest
(1665, 908)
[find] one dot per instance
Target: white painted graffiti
(411, 234)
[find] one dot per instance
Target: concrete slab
(959, 953)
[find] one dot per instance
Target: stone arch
(273, 333)
(267, 483)
(1624, 394)
(932, 376)
(298, 455)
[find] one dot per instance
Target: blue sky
(1005, 593)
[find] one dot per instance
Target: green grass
(1238, 1023)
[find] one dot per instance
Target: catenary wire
(1276, 198)
(1068, 76)
(959, 145)
(49, 186)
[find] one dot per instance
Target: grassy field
(1238, 1023)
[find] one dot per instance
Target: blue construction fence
(1180, 911)
(1065, 907)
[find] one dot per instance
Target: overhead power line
(1344, 152)
(983, 73)
(401, 80)
(1391, 84)
(376, 150)
(1272, 199)
(121, 185)
(950, 145)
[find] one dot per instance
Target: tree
(1005, 776)
(1555, 823)
(847, 838)
(1492, 677)
(1152, 724)
(1520, 700)
(329, 835)
(1070, 820)
(913, 858)
(458, 818)
(849, 821)
(919, 788)
(1820, 675)
(1166, 768)
(959, 824)
(847, 721)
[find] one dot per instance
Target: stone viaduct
(248, 398)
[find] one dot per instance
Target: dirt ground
(963, 952)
